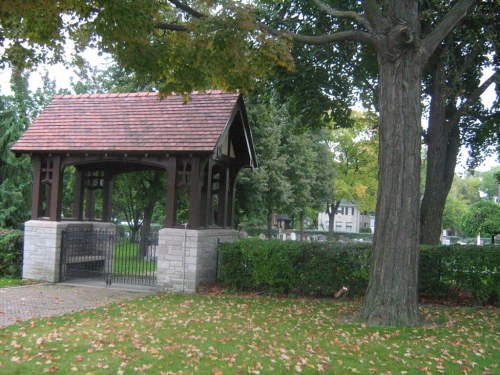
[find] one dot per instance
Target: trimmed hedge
(306, 268)
(11, 253)
(461, 273)
(465, 273)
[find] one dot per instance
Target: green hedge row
(451, 272)
(11, 253)
(470, 273)
(346, 236)
(310, 268)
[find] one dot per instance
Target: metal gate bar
(100, 255)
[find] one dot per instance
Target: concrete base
(188, 258)
(42, 247)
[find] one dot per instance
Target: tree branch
(472, 98)
(454, 16)
(353, 35)
(359, 18)
(374, 15)
(172, 27)
(186, 8)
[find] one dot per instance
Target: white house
(347, 219)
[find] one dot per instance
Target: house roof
(131, 122)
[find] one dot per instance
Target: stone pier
(42, 247)
(188, 258)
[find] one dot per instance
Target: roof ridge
(139, 94)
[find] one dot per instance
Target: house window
(338, 226)
(352, 211)
(348, 226)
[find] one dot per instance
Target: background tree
(16, 113)
(456, 114)
(464, 193)
(271, 191)
(482, 218)
(489, 182)
(355, 155)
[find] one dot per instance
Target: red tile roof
(129, 122)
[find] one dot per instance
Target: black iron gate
(88, 253)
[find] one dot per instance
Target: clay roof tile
(130, 122)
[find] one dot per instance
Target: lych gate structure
(201, 144)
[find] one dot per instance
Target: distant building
(348, 219)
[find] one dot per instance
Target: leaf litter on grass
(234, 334)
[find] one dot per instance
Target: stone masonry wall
(42, 248)
(188, 258)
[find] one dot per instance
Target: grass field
(7, 281)
(126, 259)
(231, 334)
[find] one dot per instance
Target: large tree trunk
(443, 145)
(391, 297)
(439, 177)
(146, 230)
(269, 223)
(331, 210)
(301, 226)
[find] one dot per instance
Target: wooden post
(194, 194)
(55, 190)
(107, 197)
(208, 210)
(78, 196)
(35, 197)
(171, 178)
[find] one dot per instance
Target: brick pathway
(41, 300)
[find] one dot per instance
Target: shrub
(462, 273)
(11, 253)
(306, 268)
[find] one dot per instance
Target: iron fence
(87, 253)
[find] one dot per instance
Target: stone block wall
(188, 258)
(42, 247)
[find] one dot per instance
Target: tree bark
(391, 297)
(301, 226)
(146, 229)
(443, 145)
(331, 210)
(269, 223)
(441, 161)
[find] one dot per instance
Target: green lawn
(7, 281)
(126, 259)
(231, 334)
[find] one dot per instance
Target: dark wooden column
(233, 173)
(171, 184)
(204, 197)
(36, 201)
(208, 200)
(194, 194)
(55, 189)
(223, 198)
(107, 197)
(78, 196)
(89, 204)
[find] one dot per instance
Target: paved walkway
(41, 300)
